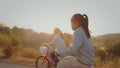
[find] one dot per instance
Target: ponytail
(83, 20)
(85, 25)
(61, 34)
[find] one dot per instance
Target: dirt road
(12, 65)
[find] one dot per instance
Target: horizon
(44, 16)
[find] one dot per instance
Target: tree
(5, 30)
(4, 40)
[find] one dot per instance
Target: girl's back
(59, 42)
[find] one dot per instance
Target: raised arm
(51, 42)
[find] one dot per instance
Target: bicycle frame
(47, 56)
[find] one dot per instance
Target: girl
(59, 42)
(81, 46)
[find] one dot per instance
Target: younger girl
(58, 41)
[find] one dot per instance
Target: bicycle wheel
(42, 62)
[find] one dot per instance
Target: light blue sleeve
(76, 44)
(53, 41)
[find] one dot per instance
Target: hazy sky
(45, 15)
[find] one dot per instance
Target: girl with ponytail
(81, 20)
(81, 49)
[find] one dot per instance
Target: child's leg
(54, 57)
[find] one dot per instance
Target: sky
(45, 15)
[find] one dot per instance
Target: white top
(59, 42)
(81, 48)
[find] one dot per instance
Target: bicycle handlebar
(46, 46)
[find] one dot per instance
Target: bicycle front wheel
(42, 62)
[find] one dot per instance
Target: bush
(1, 54)
(102, 54)
(4, 40)
(109, 50)
(8, 51)
(113, 50)
(29, 53)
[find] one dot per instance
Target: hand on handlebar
(57, 54)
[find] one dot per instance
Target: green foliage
(15, 40)
(4, 40)
(30, 53)
(5, 30)
(25, 43)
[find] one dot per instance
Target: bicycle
(45, 61)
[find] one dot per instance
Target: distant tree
(18, 35)
(4, 40)
(15, 41)
(5, 30)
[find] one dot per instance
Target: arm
(77, 42)
(52, 42)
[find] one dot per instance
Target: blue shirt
(81, 48)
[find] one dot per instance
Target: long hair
(57, 30)
(83, 20)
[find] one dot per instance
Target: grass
(107, 64)
(27, 56)
(19, 60)
(30, 53)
